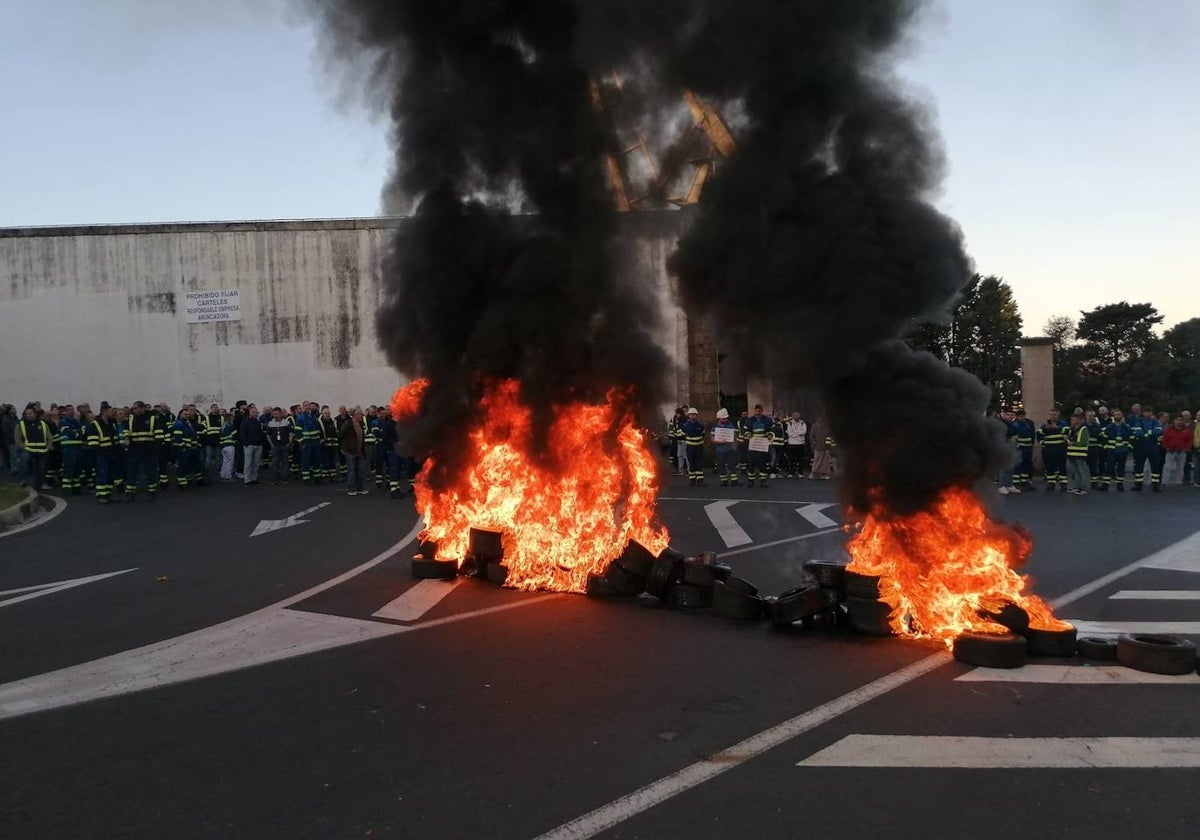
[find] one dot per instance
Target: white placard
(217, 305)
(760, 444)
(724, 434)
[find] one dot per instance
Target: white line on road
(761, 546)
(813, 514)
(1181, 556)
(988, 753)
(643, 799)
(1156, 595)
(731, 532)
(1116, 628)
(1075, 675)
(417, 600)
(50, 588)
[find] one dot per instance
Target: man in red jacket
(1176, 443)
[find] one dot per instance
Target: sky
(1071, 130)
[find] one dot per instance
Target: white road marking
(1115, 628)
(813, 514)
(417, 600)
(266, 526)
(50, 588)
(761, 546)
(988, 753)
(1156, 595)
(1181, 556)
(59, 506)
(1076, 675)
(643, 799)
(731, 532)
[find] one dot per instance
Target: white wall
(96, 313)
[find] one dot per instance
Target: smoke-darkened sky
(1068, 130)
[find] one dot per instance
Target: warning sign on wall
(217, 305)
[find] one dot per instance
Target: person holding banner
(758, 446)
(724, 438)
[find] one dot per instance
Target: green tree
(1117, 333)
(1061, 328)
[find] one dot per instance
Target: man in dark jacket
(250, 434)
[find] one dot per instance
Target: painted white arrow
(41, 589)
(731, 532)
(266, 526)
(813, 514)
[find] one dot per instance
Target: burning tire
(869, 616)
(599, 587)
(829, 574)
(427, 548)
(991, 650)
(625, 581)
(424, 568)
(795, 604)
(728, 602)
(688, 596)
(496, 573)
(1051, 642)
(861, 586)
(1156, 654)
(636, 558)
(485, 545)
(1097, 648)
(1007, 615)
(666, 570)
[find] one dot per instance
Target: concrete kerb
(23, 511)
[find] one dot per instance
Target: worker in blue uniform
(70, 440)
(1053, 438)
(758, 428)
(1118, 437)
(693, 437)
(1147, 451)
(143, 440)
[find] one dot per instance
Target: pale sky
(1071, 128)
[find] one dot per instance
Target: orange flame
(406, 402)
(559, 522)
(940, 567)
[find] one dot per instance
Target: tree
(1061, 328)
(1183, 340)
(982, 337)
(1117, 332)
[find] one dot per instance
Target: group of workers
(117, 452)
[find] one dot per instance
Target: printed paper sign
(760, 444)
(724, 434)
(217, 305)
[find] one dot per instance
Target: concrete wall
(97, 313)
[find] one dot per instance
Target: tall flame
(941, 568)
(565, 513)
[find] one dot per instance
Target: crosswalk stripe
(1076, 675)
(417, 600)
(1156, 595)
(1116, 628)
(988, 753)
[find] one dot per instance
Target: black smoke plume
(491, 114)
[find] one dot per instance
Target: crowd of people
(1101, 449)
(118, 452)
(755, 447)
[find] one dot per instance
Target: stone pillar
(1037, 377)
(703, 385)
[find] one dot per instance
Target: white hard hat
(692, 411)
(723, 414)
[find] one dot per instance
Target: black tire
(869, 616)
(1156, 654)
(427, 548)
(1097, 648)
(741, 586)
(424, 568)
(674, 553)
(1051, 642)
(828, 620)
(599, 587)
(636, 558)
(485, 545)
(861, 586)
(625, 581)
(697, 574)
(795, 604)
(721, 572)
(688, 596)
(497, 573)
(1007, 615)
(730, 603)
(666, 570)
(828, 573)
(991, 650)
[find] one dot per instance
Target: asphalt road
(223, 685)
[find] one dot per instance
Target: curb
(22, 512)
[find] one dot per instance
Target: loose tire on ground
(485, 544)
(697, 574)
(795, 604)
(869, 616)
(988, 650)
(728, 602)
(424, 568)
(599, 587)
(1007, 615)
(497, 573)
(626, 581)
(636, 558)
(1156, 654)
(828, 573)
(1097, 648)
(689, 596)
(858, 585)
(666, 570)
(1051, 642)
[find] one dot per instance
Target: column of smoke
(816, 246)
(508, 269)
